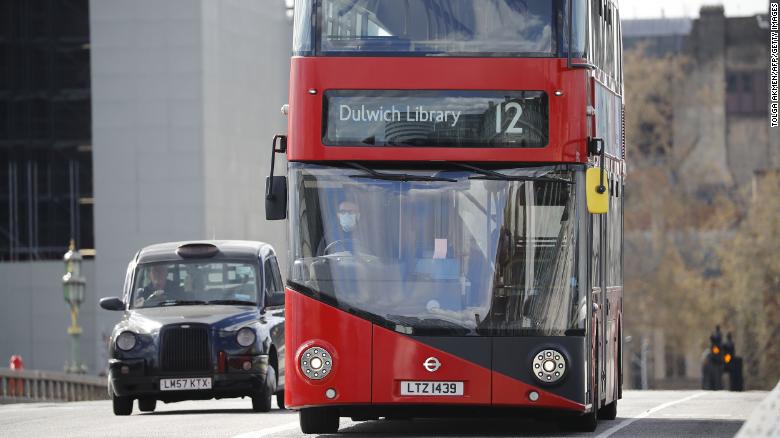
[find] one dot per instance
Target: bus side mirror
(596, 192)
(276, 186)
(276, 198)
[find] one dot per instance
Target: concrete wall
(720, 146)
(700, 113)
(749, 145)
(186, 98)
(35, 317)
(246, 70)
(147, 113)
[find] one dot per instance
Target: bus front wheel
(590, 421)
(586, 423)
(608, 412)
(319, 420)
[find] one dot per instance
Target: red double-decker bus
(454, 193)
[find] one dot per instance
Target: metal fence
(26, 386)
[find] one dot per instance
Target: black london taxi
(201, 320)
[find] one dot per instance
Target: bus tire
(588, 422)
(608, 412)
(319, 420)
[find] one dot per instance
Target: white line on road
(269, 431)
(626, 423)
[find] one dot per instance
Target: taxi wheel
(319, 420)
(261, 402)
(147, 404)
(122, 405)
(280, 399)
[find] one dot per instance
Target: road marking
(697, 416)
(269, 431)
(646, 414)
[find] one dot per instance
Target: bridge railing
(26, 386)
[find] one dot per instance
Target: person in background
(717, 336)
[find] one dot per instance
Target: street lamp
(73, 286)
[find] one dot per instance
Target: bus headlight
(126, 341)
(549, 366)
(316, 363)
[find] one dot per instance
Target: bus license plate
(431, 388)
(187, 384)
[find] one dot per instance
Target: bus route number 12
(507, 107)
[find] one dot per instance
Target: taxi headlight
(245, 337)
(126, 341)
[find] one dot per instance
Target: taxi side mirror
(596, 191)
(112, 303)
(275, 299)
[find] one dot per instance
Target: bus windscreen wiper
(413, 324)
(498, 176)
(393, 176)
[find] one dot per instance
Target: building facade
(183, 100)
(45, 137)
(722, 105)
(721, 135)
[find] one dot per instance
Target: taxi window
(172, 282)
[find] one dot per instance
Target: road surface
(640, 414)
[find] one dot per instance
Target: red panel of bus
(399, 358)
(568, 133)
(347, 337)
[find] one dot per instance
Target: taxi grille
(185, 349)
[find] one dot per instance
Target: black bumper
(130, 378)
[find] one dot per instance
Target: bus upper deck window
(426, 27)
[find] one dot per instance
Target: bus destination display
(486, 119)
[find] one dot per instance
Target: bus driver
(348, 218)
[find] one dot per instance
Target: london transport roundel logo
(431, 364)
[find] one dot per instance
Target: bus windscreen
(458, 255)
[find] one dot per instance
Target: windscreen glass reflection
(461, 256)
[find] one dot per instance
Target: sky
(687, 8)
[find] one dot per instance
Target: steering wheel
(335, 243)
(155, 298)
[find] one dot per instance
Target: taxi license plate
(185, 384)
(411, 387)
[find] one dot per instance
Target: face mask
(347, 221)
